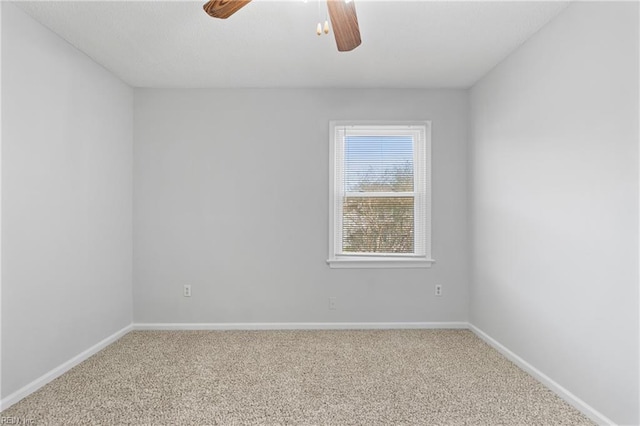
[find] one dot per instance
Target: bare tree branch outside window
(380, 224)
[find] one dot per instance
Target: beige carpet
(380, 377)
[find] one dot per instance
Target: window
(380, 195)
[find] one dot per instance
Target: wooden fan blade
(223, 8)
(345, 24)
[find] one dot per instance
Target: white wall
(554, 184)
(0, 202)
(66, 201)
(231, 196)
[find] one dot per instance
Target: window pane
(378, 225)
(378, 163)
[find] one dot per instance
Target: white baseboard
(61, 369)
(300, 326)
(563, 393)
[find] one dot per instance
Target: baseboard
(61, 369)
(563, 393)
(300, 326)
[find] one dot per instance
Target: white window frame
(421, 133)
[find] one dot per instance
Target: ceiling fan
(342, 13)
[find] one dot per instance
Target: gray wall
(554, 179)
(66, 201)
(231, 196)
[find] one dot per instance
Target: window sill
(376, 262)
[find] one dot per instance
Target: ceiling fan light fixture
(344, 20)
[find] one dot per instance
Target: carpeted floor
(368, 377)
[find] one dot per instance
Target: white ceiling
(406, 44)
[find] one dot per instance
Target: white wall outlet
(332, 303)
(186, 291)
(438, 289)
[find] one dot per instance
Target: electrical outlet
(187, 291)
(438, 290)
(332, 303)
